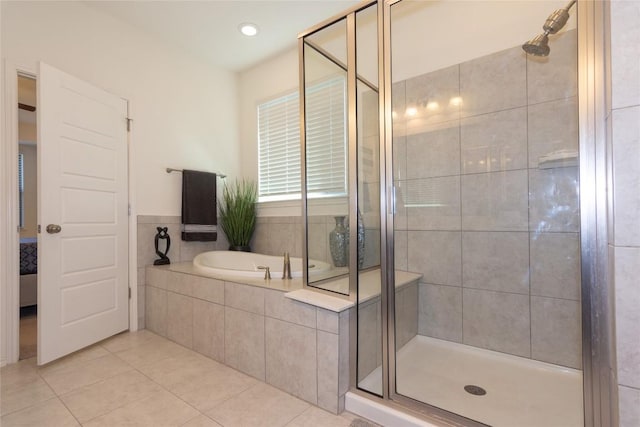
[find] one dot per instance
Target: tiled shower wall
(495, 236)
(623, 120)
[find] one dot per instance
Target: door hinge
(129, 293)
(129, 210)
(129, 124)
(38, 228)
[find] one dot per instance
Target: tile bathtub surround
(148, 381)
(255, 330)
(178, 252)
(495, 237)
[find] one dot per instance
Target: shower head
(539, 45)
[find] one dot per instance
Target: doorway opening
(28, 214)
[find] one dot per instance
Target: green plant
(238, 212)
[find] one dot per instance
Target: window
(21, 190)
(279, 143)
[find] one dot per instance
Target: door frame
(10, 242)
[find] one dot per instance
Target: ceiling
(209, 29)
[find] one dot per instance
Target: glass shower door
(485, 172)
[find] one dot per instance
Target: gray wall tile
(493, 82)
(626, 175)
(555, 76)
(244, 346)
(156, 310)
(497, 321)
(279, 307)
(553, 200)
(437, 87)
(157, 277)
(208, 329)
(244, 297)
(291, 358)
(437, 255)
(434, 153)
(625, 42)
(555, 265)
(180, 319)
(406, 314)
(496, 261)
(552, 126)
(207, 289)
(627, 294)
(400, 242)
(399, 158)
(440, 312)
(328, 321)
(629, 403)
(494, 142)
(431, 203)
(555, 331)
(328, 371)
(495, 201)
(369, 339)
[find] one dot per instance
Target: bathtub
(245, 264)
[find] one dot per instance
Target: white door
(82, 188)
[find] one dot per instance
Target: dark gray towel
(199, 204)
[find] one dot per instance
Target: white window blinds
(279, 143)
(279, 148)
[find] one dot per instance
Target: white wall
(184, 112)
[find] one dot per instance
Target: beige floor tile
(129, 340)
(19, 396)
(23, 372)
(201, 421)
(84, 373)
(173, 371)
(51, 413)
(211, 389)
(152, 351)
(74, 359)
(100, 398)
(314, 416)
(261, 405)
(158, 409)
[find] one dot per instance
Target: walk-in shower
(462, 164)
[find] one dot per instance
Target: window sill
(322, 206)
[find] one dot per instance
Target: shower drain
(475, 390)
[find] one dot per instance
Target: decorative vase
(339, 243)
(240, 248)
(360, 240)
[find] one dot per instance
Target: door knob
(53, 228)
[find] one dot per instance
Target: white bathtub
(245, 264)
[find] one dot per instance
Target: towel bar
(169, 170)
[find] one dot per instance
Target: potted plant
(238, 214)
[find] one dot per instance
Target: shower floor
(519, 391)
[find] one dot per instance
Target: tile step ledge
(320, 300)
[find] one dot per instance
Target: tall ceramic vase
(339, 243)
(360, 240)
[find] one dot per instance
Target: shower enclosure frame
(598, 338)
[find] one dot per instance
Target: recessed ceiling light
(248, 29)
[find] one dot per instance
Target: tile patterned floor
(141, 379)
